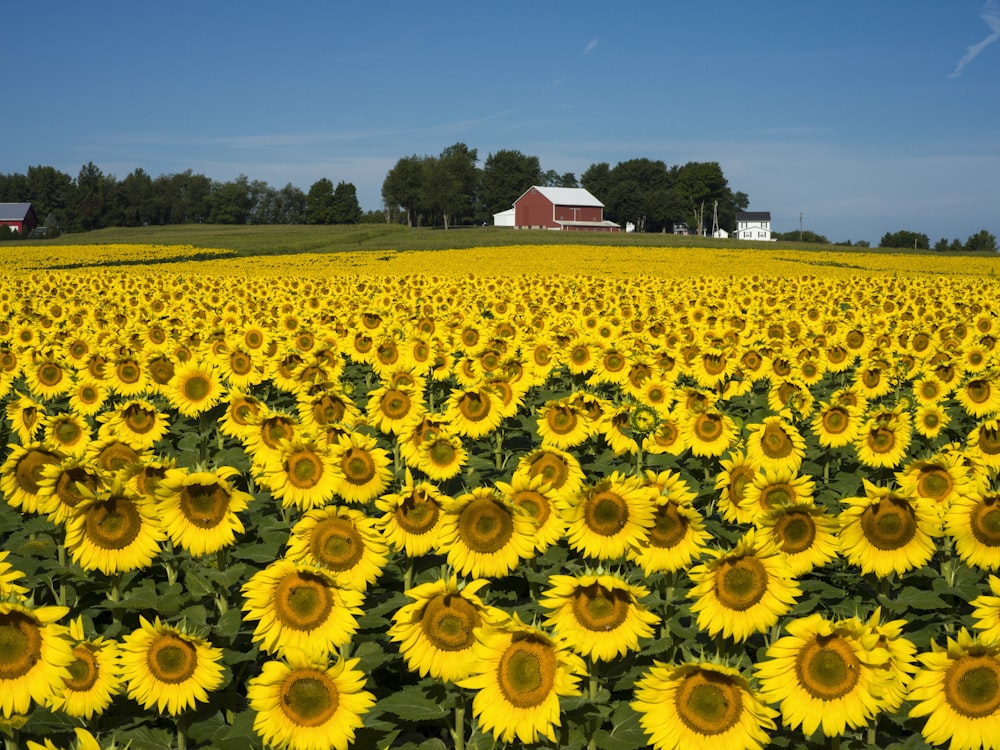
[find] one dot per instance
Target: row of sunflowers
(568, 511)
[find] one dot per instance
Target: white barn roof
(561, 196)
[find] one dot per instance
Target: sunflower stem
(592, 688)
(638, 458)
(873, 732)
(408, 574)
(458, 732)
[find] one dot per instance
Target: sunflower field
(678, 499)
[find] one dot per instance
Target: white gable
(561, 196)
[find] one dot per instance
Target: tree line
(95, 200)
(451, 189)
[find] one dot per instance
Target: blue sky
(865, 116)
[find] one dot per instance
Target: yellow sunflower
(365, 469)
(885, 531)
(775, 443)
(198, 509)
(62, 486)
(21, 474)
(835, 425)
(606, 520)
(343, 541)
(737, 474)
(437, 631)
(973, 521)
(601, 616)
(519, 673)
(556, 467)
(940, 479)
(196, 388)
(305, 703)
(563, 424)
(69, 434)
(825, 675)
(678, 534)
(136, 422)
(268, 430)
(701, 705)
(411, 518)
(114, 531)
(299, 606)
(474, 412)
(87, 396)
(773, 487)
(979, 396)
(170, 669)
(930, 419)
(901, 663)
(25, 415)
(986, 612)
(536, 496)
(805, 533)
(958, 690)
(485, 534)
(709, 433)
(35, 655)
(983, 443)
(304, 473)
(742, 591)
(391, 409)
(883, 439)
(94, 675)
(241, 411)
(84, 741)
(440, 455)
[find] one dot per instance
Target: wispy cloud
(991, 15)
(592, 45)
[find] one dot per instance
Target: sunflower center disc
(112, 524)
(606, 513)
(336, 544)
(775, 443)
(739, 478)
(485, 526)
(274, 430)
(117, 456)
(978, 391)
(972, 686)
(985, 521)
(29, 469)
(308, 698)
(934, 483)
(358, 466)
(599, 609)
(138, 419)
(527, 672)
(67, 432)
(561, 420)
(989, 440)
(83, 672)
(304, 469)
(128, 372)
(395, 404)
(708, 427)
(889, 524)
(204, 505)
(551, 469)
(417, 514)
(302, 601)
(171, 659)
(474, 406)
(740, 583)
(881, 440)
(827, 667)
(20, 645)
(669, 527)
(708, 703)
(797, 531)
(197, 388)
(776, 494)
(535, 503)
(442, 453)
(66, 486)
(449, 622)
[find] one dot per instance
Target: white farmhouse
(753, 225)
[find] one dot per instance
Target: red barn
(561, 208)
(18, 216)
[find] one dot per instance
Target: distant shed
(20, 217)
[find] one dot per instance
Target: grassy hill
(271, 240)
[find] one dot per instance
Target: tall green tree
(92, 198)
(905, 239)
(345, 207)
(135, 196)
(454, 183)
(981, 241)
(319, 202)
(506, 175)
(403, 187)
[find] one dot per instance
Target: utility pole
(800, 226)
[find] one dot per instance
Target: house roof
(753, 216)
(561, 196)
(14, 211)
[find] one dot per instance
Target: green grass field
(284, 239)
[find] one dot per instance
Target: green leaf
(915, 598)
(626, 732)
(150, 739)
(229, 623)
(412, 704)
(237, 735)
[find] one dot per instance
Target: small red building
(18, 216)
(571, 209)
